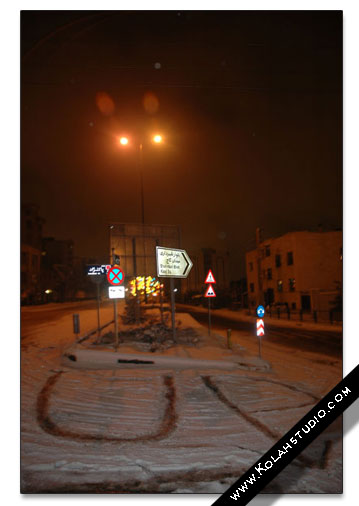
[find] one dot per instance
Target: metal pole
(116, 322)
(173, 308)
(161, 303)
(229, 340)
(260, 347)
(141, 179)
(209, 316)
(98, 311)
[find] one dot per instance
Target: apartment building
(300, 269)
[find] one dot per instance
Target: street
(327, 342)
(135, 430)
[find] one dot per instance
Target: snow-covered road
(187, 430)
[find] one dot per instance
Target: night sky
(249, 105)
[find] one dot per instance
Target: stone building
(300, 269)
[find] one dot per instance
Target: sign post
(209, 293)
(172, 263)
(260, 328)
(97, 275)
(115, 276)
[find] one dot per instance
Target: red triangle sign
(210, 277)
(210, 292)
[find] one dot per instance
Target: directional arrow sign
(172, 263)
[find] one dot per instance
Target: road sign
(210, 277)
(210, 292)
(260, 327)
(115, 275)
(260, 311)
(116, 292)
(172, 263)
(97, 270)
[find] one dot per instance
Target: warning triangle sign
(210, 277)
(210, 292)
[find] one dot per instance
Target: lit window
(280, 285)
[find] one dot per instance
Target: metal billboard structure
(136, 243)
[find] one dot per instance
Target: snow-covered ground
(168, 430)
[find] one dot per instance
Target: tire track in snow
(308, 462)
(168, 423)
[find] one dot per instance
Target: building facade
(302, 270)
(203, 260)
(31, 239)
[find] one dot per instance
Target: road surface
(326, 342)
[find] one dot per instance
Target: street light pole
(140, 162)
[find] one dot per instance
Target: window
(267, 251)
(251, 286)
(291, 284)
(269, 273)
(294, 305)
(277, 261)
(280, 285)
(250, 266)
(290, 258)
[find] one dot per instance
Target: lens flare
(104, 103)
(150, 102)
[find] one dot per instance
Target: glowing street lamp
(124, 141)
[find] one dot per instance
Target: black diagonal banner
(293, 443)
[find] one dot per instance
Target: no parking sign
(115, 276)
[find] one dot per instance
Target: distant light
(157, 65)
(48, 291)
(124, 141)
(157, 138)
(175, 290)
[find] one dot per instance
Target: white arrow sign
(172, 263)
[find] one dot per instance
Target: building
(31, 238)
(57, 269)
(203, 260)
(302, 270)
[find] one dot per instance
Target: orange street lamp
(124, 141)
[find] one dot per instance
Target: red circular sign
(115, 276)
